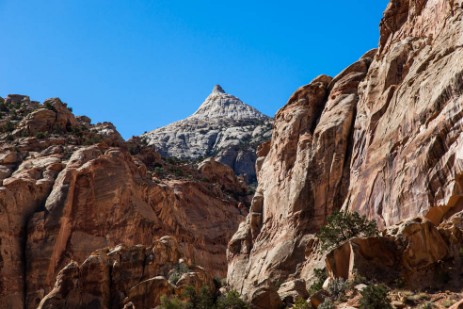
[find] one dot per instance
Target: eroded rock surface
(69, 187)
(123, 277)
(310, 141)
(382, 138)
(407, 157)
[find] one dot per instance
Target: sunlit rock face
(407, 157)
(68, 188)
(382, 138)
(223, 127)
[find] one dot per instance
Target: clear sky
(142, 64)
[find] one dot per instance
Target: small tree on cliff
(342, 226)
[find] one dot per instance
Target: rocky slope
(382, 138)
(69, 188)
(126, 277)
(223, 127)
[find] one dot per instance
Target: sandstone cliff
(125, 277)
(223, 127)
(382, 138)
(69, 188)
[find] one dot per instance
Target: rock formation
(382, 138)
(223, 127)
(125, 277)
(84, 212)
(69, 188)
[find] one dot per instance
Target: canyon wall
(69, 188)
(381, 138)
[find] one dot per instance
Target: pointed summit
(223, 126)
(218, 89)
(220, 104)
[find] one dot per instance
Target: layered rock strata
(125, 277)
(69, 188)
(382, 138)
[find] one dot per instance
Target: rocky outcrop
(310, 140)
(223, 127)
(383, 138)
(407, 141)
(122, 277)
(69, 187)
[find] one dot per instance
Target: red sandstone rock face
(310, 141)
(383, 138)
(123, 277)
(406, 151)
(61, 200)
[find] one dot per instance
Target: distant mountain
(223, 127)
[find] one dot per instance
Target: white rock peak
(223, 127)
(220, 104)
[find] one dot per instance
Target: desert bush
(337, 288)
(49, 106)
(231, 300)
(41, 135)
(327, 304)
(190, 299)
(375, 297)
(177, 272)
(8, 127)
(342, 226)
(300, 304)
(320, 275)
(171, 303)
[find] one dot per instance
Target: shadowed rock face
(68, 188)
(223, 127)
(125, 277)
(382, 138)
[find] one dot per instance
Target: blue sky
(142, 64)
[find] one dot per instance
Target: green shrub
(320, 275)
(300, 304)
(190, 299)
(91, 140)
(3, 107)
(327, 304)
(177, 272)
(205, 299)
(375, 297)
(8, 127)
(337, 288)
(342, 226)
(231, 300)
(40, 135)
(171, 303)
(49, 106)
(428, 305)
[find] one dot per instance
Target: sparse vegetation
(320, 275)
(49, 106)
(327, 304)
(190, 299)
(337, 288)
(8, 127)
(177, 272)
(342, 226)
(231, 300)
(375, 297)
(41, 135)
(300, 304)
